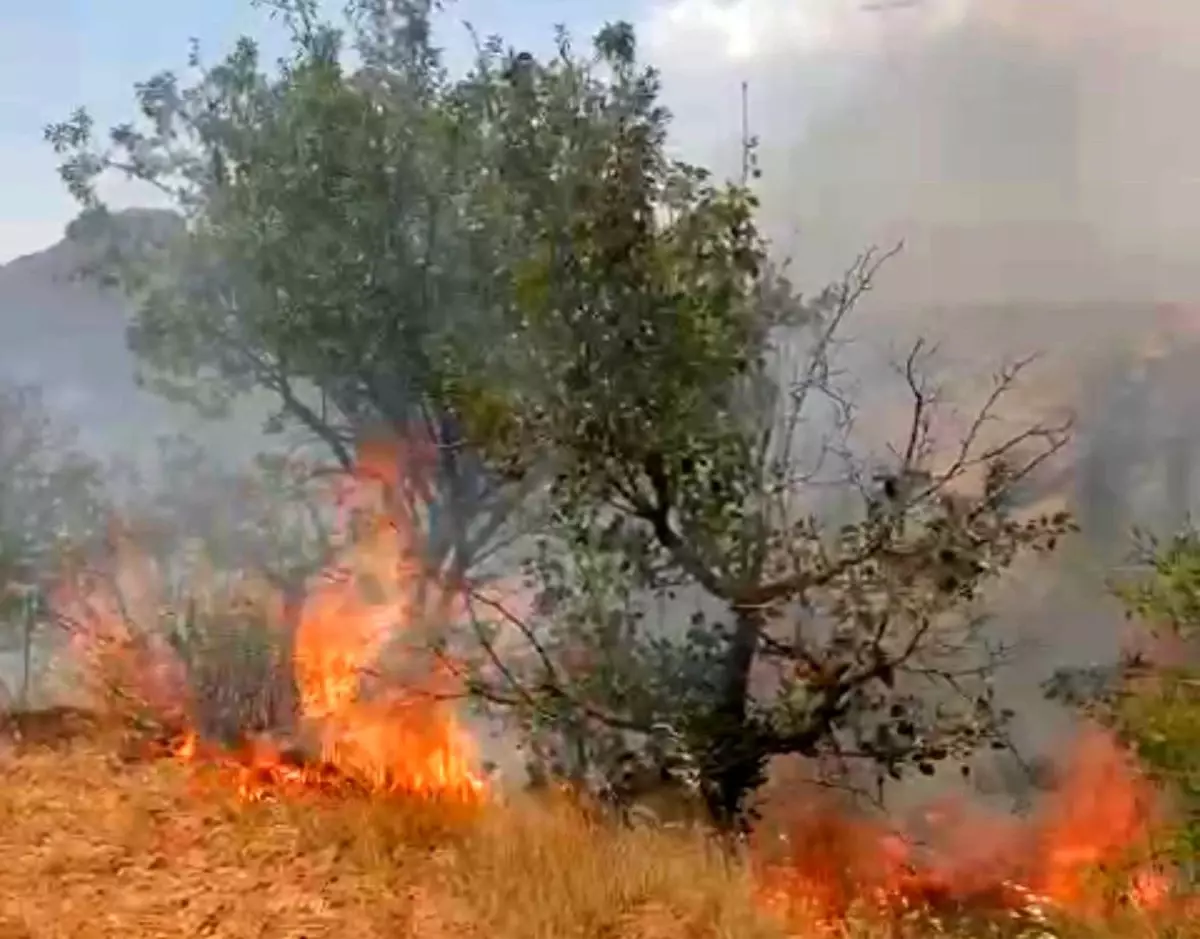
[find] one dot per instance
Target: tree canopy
(333, 244)
(52, 501)
(508, 267)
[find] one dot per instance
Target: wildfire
(355, 726)
(1086, 851)
(404, 736)
(374, 715)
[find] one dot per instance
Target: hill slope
(101, 848)
(68, 336)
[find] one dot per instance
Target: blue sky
(57, 54)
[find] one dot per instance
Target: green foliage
(1160, 710)
(1151, 697)
(510, 262)
(1167, 598)
(331, 248)
(635, 306)
(640, 365)
(1164, 726)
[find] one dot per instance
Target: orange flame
(1085, 851)
(403, 736)
(373, 733)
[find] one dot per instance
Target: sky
(58, 54)
(922, 119)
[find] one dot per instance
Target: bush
(239, 672)
(1158, 708)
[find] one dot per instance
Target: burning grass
(364, 812)
(99, 846)
(1087, 856)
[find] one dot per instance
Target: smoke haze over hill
(1025, 151)
(1037, 161)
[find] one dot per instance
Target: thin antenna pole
(745, 132)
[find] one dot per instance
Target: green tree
(52, 501)
(329, 245)
(511, 262)
(645, 364)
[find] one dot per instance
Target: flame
(376, 717)
(1085, 852)
(399, 736)
(404, 737)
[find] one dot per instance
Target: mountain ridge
(65, 332)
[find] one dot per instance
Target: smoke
(1039, 161)
(1026, 151)
(1036, 159)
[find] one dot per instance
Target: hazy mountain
(67, 335)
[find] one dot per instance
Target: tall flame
(389, 732)
(404, 736)
(374, 705)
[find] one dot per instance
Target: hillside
(102, 838)
(68, 336)
(101, 848)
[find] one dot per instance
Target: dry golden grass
(96, 847)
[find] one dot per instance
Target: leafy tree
(51, 501)
(329, 248)
(511, 263)
(643, 363)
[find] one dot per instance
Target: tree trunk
(285, 703)
(734, 766)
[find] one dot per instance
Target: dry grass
(95, 846)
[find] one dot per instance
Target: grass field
(96, 845)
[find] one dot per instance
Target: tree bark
(735, 766)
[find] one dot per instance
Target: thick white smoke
(1040, 158)
(1027, 150)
